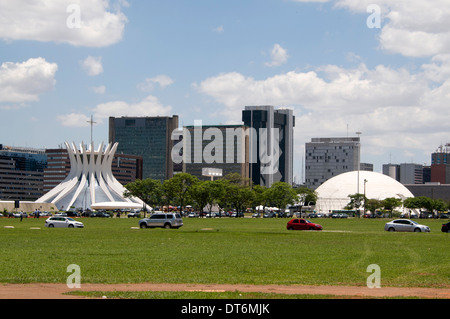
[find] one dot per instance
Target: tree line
(358, 201)
(230, 192)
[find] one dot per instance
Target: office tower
(440, 165)
(411, 173)
(223, 148)
(21, 173)
(329, 157)
(149, 137)
(271, 145)
(392, 170)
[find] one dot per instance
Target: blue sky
(206, 60)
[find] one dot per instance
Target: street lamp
(365, 181)
(359, 160)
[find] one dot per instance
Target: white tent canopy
(119, 205)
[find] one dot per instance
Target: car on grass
(405, 225)
(134, 214)
(446, 228)
(302, 224)
(63, 222)
(165, 220)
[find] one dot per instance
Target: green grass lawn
(249, 251)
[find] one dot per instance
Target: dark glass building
(148, 137)
(265, 117)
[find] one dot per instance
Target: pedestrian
(21, 215)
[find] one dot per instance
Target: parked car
(61, 214)
(270, 215)
(165, 220)
(302, 224)
(63, 222)
(17, 215)
(446, 228)
(256, 215)
(405, 225)
(192, 215)
(101, 214)
(238, 214)
(134, 214)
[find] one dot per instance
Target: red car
(302, 224)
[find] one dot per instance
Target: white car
(63, 222)
(405, 225)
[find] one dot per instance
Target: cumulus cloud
(389, 104)
(92, 65)
(149, 106)
(88, 23)
(74, 120)
(412, 28)
(25, 81)
(278, 55)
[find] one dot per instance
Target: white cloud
(149, 83)
(393, 107)
(25, 81)
(57, 21)
(413, 28)
(74, 120)
(149, 106)
(278, 55)
(92, 65)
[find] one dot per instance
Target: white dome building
(333, 194)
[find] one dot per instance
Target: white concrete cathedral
(90, 183)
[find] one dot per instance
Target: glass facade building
(148, 137)
(329, 157)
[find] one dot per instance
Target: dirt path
(56, 291)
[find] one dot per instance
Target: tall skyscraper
(149, 137)
(329, 157)
(273, 135)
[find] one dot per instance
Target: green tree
(281, 194)
(208, 193)
(178, 188)
(372, 205)
(306, 196)
(390, 204)
(356, 201)
(148, 190)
